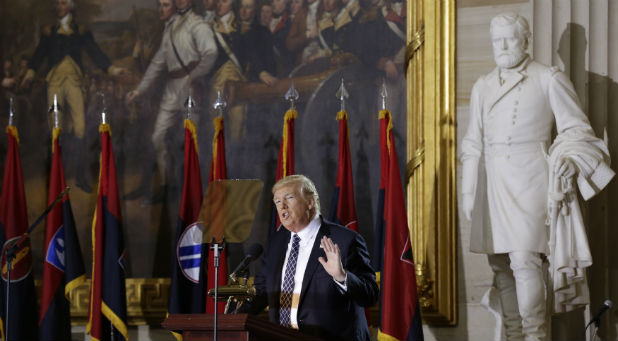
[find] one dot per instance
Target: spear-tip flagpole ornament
(220, 103)
(190, 105)
(55, 108)
(292, 96)
(384, 94)
(342, 94)
(11, 112)
(103, 115)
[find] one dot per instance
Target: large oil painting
(139, 60)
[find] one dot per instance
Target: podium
(230, 327)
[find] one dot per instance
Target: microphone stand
(11, 252)
(216, 247)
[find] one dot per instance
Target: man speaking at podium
(315, 275)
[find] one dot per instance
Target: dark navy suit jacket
(324, 310)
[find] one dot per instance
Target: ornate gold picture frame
(431, 160)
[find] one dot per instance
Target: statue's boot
(528, 272)
(505, 284)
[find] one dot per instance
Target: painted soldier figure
(256, 46)
(62, 46)
(187, 53)
(280, 28)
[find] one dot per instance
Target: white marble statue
(507, 168)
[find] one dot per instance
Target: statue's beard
(509, 59)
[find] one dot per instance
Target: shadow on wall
(599, 97)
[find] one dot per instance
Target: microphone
(597, 317)
(254, 252)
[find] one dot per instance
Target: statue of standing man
(513, 111)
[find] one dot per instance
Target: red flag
(63, 267)
(285, 160)
(343, 208)
(400, 313)
(218, 171)
(188, 287)
(107, 312)
(13, 224)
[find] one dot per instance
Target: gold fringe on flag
(387, 114)
(104, 127)
(13, 131)
(55, 135)
(289, 115)
(218, 123)
(191, 126)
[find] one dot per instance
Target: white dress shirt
(307, 239)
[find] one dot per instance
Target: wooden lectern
(230, 327)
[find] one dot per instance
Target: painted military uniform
(256, 47)
(62, 46)
(187, 53)
(280, 28)
(229, 67)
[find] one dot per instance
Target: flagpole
(219, 105)
(383, 94)
(9, 255)
(216, 247)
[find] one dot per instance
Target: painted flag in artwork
(107, 311)
(285, 160)
(400, 317)
(22, 322)
(63, 266)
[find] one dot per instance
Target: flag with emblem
(22, 314)
(285, 160)
(63, 267)
(400, 317)
(218, 171)
(107, 311)
(188, 289)
(343, 207)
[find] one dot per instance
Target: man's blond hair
(306, 188)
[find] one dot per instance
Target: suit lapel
(279, 256)
(313, 262)
(518, 75)
(503, 89)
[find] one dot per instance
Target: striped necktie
(287, 290)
